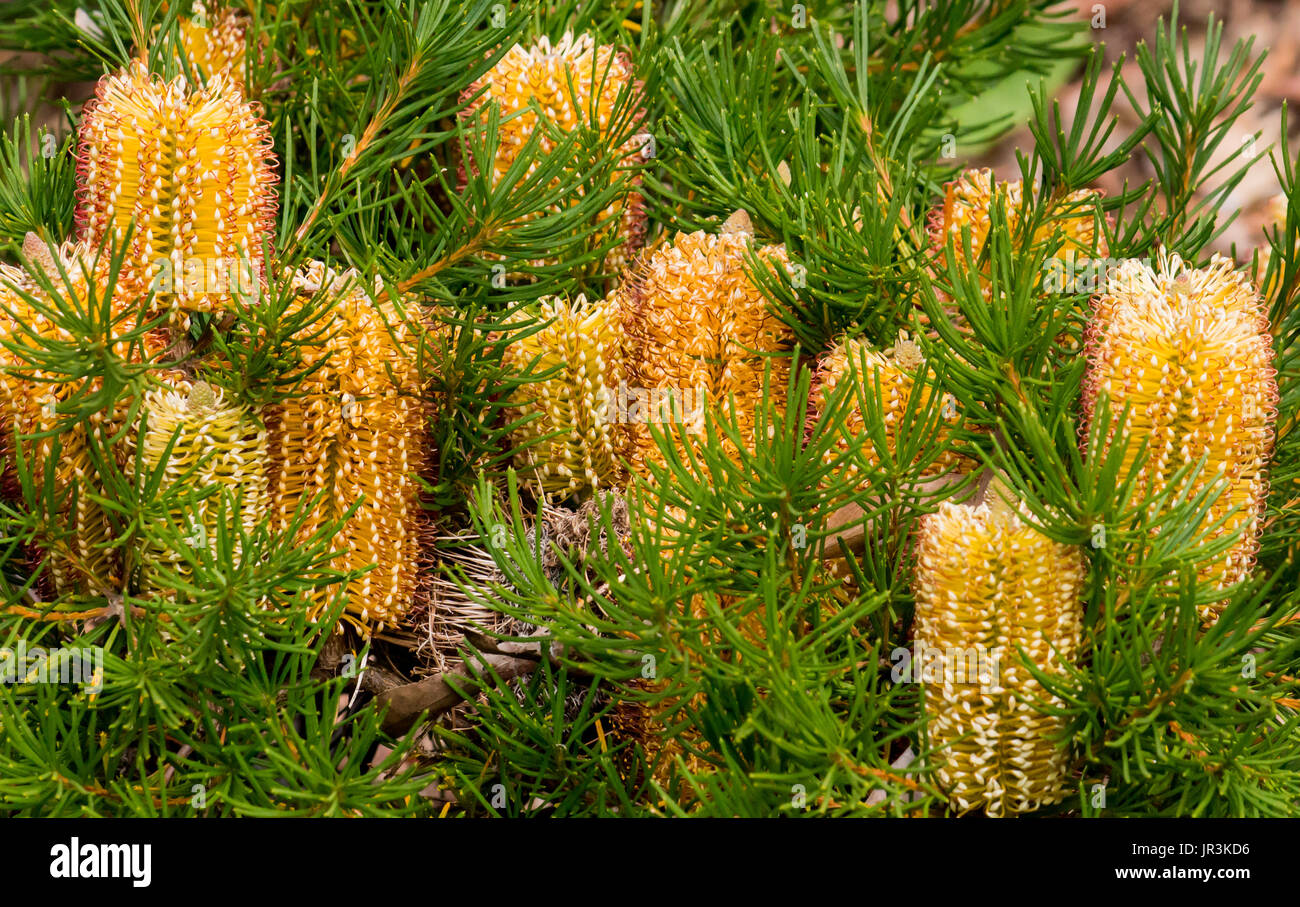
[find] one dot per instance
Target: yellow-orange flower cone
(699, 335)
(1275, 219)
(209, 443)
(1189, 351)
(853, 367)
(988, 586)
(968, 204)
(353, 433)
(78, 539)
(575, 84)
(1077, 264)
(572, 442)
(192, 171)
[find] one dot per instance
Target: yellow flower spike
(699, 333)
(579, 402)
(193, 170)
(895, 371)
(576, 84)
(1190, 352)
(21, 400)
(1076, 265)
(353, 434)
(214, 444)
(968, 203)
(213, 38)
(987, 586)
(76, 539)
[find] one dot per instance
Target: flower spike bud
(575, 84)
(191, 172)
(572, 444)
(38, 254)
(1190, 353)
(353, 434)
(989, 586)
(214, 444)
(739, 222)
(699, 333)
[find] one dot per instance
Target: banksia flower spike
(1190, 352)
(699, 332)
(969, 201)
(572, 442)
(192, 169)
(75, 540)
(20, 398)
(1077, 265)
(213, 444)
(78, 537)
(576, 84)
(987, 587)
(213, 38)
(352, 434)
(853, 367)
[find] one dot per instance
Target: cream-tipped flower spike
(699, 334)
(191, 171)
(570, 443)
(969, 200)
(988, 586)
(575, 83)
(213, 38)
(1190, 352)
(78, 539)
(214, 444)
(353, 433)
(895, 371)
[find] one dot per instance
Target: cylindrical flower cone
(1076, 266)
(213, 444)
(871, 390)
(1275, 218)
(78, 540)
(1189, 351)
(700, 334)
(571, 443)
(575, 84)
(852, 367)
(987, 587)
(353, 433)
(192, 169)
(968, 204)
